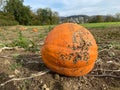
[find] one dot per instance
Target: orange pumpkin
(22, 28)
(70, 49)
(35, 30)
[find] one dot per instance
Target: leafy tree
(23, 14)
(20, 12)
(117, 16)
(55, 18)
(98, 18)
(34, 19)
(7, 19)
(109, 18)
(2, 3)
(47, 16)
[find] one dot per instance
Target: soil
(18, 63)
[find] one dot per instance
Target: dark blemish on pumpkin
(86, 56)
(82, 47)
(83, 44)
(66, 57)
(76, 53)
(70, 56)
(89, 44)
(69, 46)
(62, 56)
(87, 33)
(74, 39)
(86, 48)
(85, 53)
(75, 69)
(62, 68)
(81, 71)
(75, 60)
(78, 47)
(87, 62)
(73, 48)
(78, 57)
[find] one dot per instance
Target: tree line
(91, 19)
(13, 12)
(104, 18)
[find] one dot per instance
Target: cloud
(75, 7)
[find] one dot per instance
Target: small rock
(44, 87)
(41, 81)
(16, 71)
(61, 79)
(111, 54)
(66, 85)
(109, 62)
(7, 62)
(41, 43)
(82, 81)
(11, 76)
(56, 76)
(47, 89)
(0, 50)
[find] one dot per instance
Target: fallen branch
(29, 62)
(103, 50)
(118, 64)
(107, 70)
(9, 48)
(18, 79)
(6, 48)
(5, 57)
(104, 75)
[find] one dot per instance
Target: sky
(77, 7)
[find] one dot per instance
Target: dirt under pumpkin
(18, 63)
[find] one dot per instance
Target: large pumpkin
(70, 49)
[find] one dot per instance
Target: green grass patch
(101, 25)
(2, 45)
(87, 25)
(115, 45)
(15, 66)
(41, 27)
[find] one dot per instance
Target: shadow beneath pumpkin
(31, 61)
